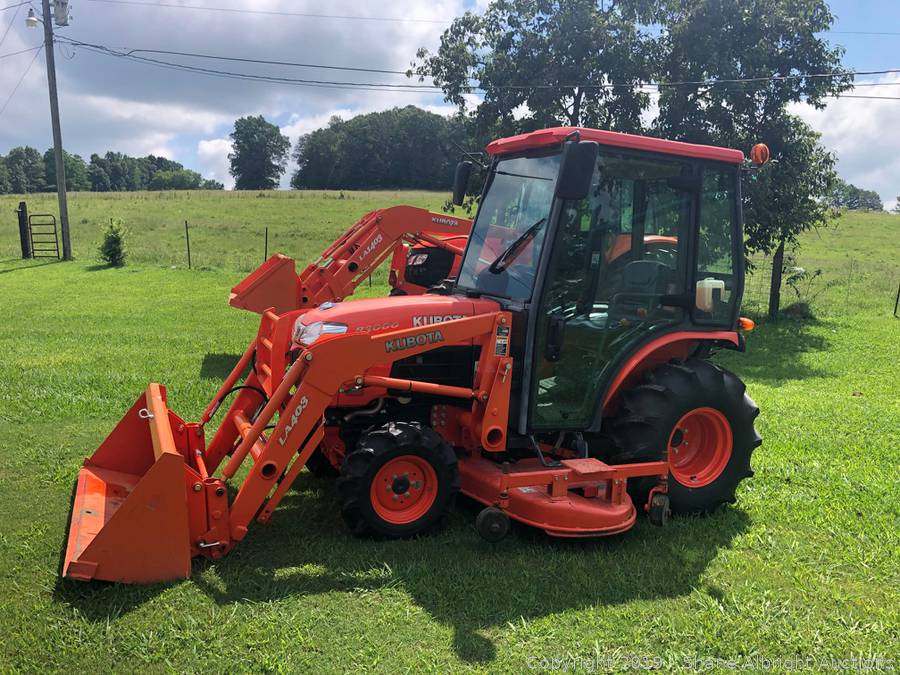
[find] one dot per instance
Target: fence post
(897, 302)
(775, 281)
(24, 237)
(187, 241)
(266, 251)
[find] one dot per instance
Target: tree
(751, 40)
(398, 148)
(710, 43)
(259, 154)
(575, 62)
(177, 179)
(98, 175)
(26, 170)
(211, 184)
(5, 185)
(77, 179)
(896, 206)
(788, 196)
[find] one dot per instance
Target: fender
(678, 344)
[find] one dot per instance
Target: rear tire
(701, 415)
(401, 481)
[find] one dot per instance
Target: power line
(860, 32)
(16, 88)
(270, 12)
(21, 51)
(131, 54)
(9, 27)
(349, 86)
(428, 89)
(18, 4)
(266, 61)
(875, 98)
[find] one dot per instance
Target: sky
(108, 103)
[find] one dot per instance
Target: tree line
(398, 148)
(25, 170)
(847, 196)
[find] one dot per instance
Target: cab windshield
(508, 233)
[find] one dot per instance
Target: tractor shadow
(218, 366)
(459, 579)
(775, 350)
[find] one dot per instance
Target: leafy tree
(787, 196)
(77, 178)
(26, 170)
(178, 179)
(402, 147)
(5, 185)
(210, 184)
(574, 62)
(848, 196)
(896, 206)
(259, 154)
(99, 177)
(721, 40)
(753, 40)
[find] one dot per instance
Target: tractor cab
(599, 247)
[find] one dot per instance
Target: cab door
(615, 256)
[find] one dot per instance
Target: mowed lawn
(806, 564)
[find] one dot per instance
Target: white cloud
(861, 133)
(213, 157)
(110, 103)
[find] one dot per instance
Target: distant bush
(112, 249)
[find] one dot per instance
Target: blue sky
(113, 104)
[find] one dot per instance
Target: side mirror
(576, 170)
(461, 182)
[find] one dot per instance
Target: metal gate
(44, 239)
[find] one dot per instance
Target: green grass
(806, 563)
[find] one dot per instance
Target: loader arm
(347, 262)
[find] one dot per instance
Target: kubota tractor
(561, 378)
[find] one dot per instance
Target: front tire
(401, 481)
(700, 416)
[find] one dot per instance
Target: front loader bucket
(130, 515)
(274, 284)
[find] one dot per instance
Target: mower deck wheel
(492, 524)
(659, 510)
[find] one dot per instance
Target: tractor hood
(381, 315)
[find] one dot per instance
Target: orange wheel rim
(403, 490)
(699, 447)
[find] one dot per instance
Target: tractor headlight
(307, 334)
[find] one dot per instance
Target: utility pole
(57, 134)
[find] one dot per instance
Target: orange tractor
(560, 377)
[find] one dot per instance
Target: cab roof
(548, 137)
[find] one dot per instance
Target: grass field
(806, 564)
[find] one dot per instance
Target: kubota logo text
(435, 318)
(371, 247)
(294, 419)
(441, 220)
(419, 340)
